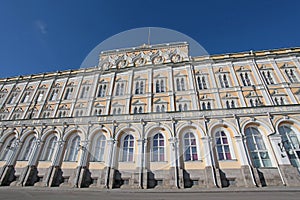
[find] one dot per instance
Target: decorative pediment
(29, 88)
(43, 86)
(252, 94)
(71, 84)
(86, 82)
(243, 69)
(99, 105)
(179, 75)
(64, 107)
(138, 102)
(57, 85)
(229, 96)
(205, 98)
(117, 104)
(287, 66)
(4, 90)
(222, 71)
(19, 109)
(182, 99)
(160, 101)
(265, 67)
(80, 105)
(276, 93)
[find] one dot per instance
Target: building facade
(154, 117)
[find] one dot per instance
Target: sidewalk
(186, 190)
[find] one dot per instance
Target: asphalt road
(56, 194)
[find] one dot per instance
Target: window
(72, 149)
(180, 84)
(230, 104)
(97, 111)
(12, 98)
(68, 94)
(254, 102)
(160, 108)
(99, 149)
(84, 92)
(102, 90)
(40, 96)
(7, 147)
(128, 149)
(205, 105)
(139, 87)
(268, 77)
(158, 148)
(190, 147)
(223, 80)
(279, 101)
(257, 149)
(201, 81)
(54, 95)
(138, 109)
(27, 149)
(291, 75)
(182, 107)
(120, 89)
(160, 86)
(291, 144)
(25, 97)
(222, 146)
(245, 79)
(49, 148)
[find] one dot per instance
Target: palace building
(154, 117)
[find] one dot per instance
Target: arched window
(7, 147)
(118, 89)
(226, 84)
(72, 149)
(140, 109)
(203, 106)
(247, 79)
(163, 108)
(119, 110)
(232, 104)
(137, 88)
(122, 89)
(199, 83)
(222, 146)
(99, 149)
(158, 148)
(257, 149)
(53, 95)
(190, 147)
(185, 108)
(157, 108)
(128, 149)
(157, 86)
(291, 144)
(27, 148)
(178, 84)
(162, 86)
(180, 108)
(182, 84)
(142, 87)
(49, 148)
(135, 110)
(243, 79)
(208, 106)
(227, 104)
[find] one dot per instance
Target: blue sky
(42, 36)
